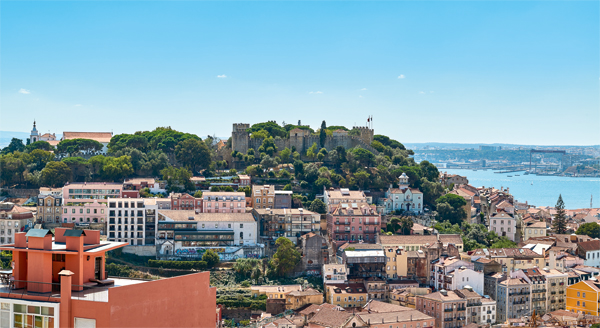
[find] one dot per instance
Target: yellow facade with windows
(347, 295)
(583, 297)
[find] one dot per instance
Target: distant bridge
(532, 151)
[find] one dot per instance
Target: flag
(368, 119)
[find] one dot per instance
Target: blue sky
(476, 71)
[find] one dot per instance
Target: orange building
(60, 281)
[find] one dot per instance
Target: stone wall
(21, 193)
(147, 250)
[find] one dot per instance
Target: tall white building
(132, 220)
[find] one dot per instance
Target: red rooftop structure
(60, 281)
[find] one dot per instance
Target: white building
(403, 198)
(132, 220)
(188, 234)
(335, 273)
(442, 278)
(464, 277)
(504, 224)
(590, 252)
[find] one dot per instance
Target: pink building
(353, 222)
(185, 202)
(85, 213)
(224, 202)
(87, 192)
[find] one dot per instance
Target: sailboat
(532, 183)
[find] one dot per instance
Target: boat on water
(532, 183)
(517, 175)
(510, 176)
(526, 173)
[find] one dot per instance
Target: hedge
(184, 265)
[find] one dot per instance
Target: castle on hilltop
(301, 139)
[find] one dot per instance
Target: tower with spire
(34, 134)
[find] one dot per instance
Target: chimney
(65, 298)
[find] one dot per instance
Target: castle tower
(34, 134)
(239, 137)
(366, 134)
(403, 181)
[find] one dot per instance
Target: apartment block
(132, 220)
(353, 222)
(13, 219)
(263, 196)
(87, 192)
(289, 222)
(49, 208)
(514, 298)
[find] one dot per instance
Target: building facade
(49, 209)
(403, 198)
(353, 222)
(504, 225)
(514, 299)
(290, 223)
(224, 202)
(132, 221)
(263, 196)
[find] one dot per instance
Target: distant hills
(442, 145)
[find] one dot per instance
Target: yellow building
(300, 298)
(583, 297)
(534, 229)
(274, 292)
(347, 295)
(263, 196)
(396, 260)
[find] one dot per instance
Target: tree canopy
(286, 257)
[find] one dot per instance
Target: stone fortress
(301, 139)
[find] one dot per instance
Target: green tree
(559, 223)
(312, 151)
(37, 159)
(43, 145)
(318, 206)
(16, 144)
(79, 168)
(285, 155)
(322, 183)
(431, 192)
(193, 154)
(211, 258)
(117, 168)
(55, 174)
(591, 229)
(363, 156)
(323, 134)
(450, 208)
(268, 147)
(406, 225)
(378, 146)
(504, 242)
(286, 258)
(198, 194)
(429, 171)
(394, 225)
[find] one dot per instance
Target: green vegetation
(474, 235)
(285, 259)
(591, 229)
(450, 208)
(182, 265)
(402, 225)
(559, 223)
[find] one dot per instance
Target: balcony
(461, 309)
(448, 310)
(51, 291)
(489, 312)
(343, 223)
(474, 304)
(561, 292)
(473, 313)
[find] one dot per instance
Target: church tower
(34, 134)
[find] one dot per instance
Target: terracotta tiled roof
(393, 317)
(103, 137)
(381, 307)
(592, 245)
(331, 318)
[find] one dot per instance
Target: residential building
(332, 197)
(132, 187)
(364, 264)
(86, 214)
(234, 181)
(299, 298)
(453, 179)
(274, 292)
(348, 295)
(403, 198)
(61, 281)
(556, 285)
(408, 318)
(447, 307)
(187, 234)
(481, 310)
(453, 273)
(263, 196)
(353, 222)
(377, 288)
(590, 252)
(224, 202)
(101, 137)
(511, 258)
(44, 191)
(49, 209)
(88, 192)
(132, 220)
(504, 225)
(534, 229)
(187, 202)
(283, 198)
(334, 273)
(314, 251)
(584, 297)
(334, 318)
(13, 219)
(491, 282)
(415, 242)
(514, 299)
(539, 288)
(288, 222)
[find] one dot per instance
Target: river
(538, 190)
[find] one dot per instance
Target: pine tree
(323, 134)
(559, 223)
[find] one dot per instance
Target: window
(584, 296)
(241, 225)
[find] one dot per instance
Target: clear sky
(524, 72)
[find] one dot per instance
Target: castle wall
(241, 141)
